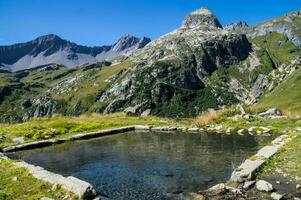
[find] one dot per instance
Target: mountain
(53, 49)
(198, 66)
(239, 25)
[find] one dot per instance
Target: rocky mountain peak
(47, 38)
(199, 17)
(236, 26)
(128, 41)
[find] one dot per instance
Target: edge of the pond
(85, 190)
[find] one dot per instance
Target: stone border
(86, 191)
(81, 136)
(245, 172)
(82, 189)
(112, 131)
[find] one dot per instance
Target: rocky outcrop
(281, 25)
(201, 16)
(39, 107)
(236, 26)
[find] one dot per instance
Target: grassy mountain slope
(287, 96)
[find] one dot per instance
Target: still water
(146, 166)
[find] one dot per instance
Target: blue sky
(98, 22)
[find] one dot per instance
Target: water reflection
(147, 165)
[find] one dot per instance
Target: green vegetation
(286, 96)
(17, 183)
(287, 161)
(276, 49)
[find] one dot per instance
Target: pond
(137, 165)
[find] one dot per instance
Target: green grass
(286, 96)
(288, 160)
(59, 126)
(17, 183)
(278, 53)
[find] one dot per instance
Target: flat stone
(246, 170)
(193, 129)
(164, 128)
(217, 189)
(276, 196)
(248, 184)
(142, 127)
(79, 187)
(264, 186)
(267, 151)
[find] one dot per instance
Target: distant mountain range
(53, 49)
(199, 66)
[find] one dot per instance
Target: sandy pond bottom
(146, 166)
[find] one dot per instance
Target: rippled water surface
(148, 165)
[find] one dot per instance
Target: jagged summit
(236, 26)
(199, 17)
(128, 41)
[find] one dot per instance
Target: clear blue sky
(97, 22)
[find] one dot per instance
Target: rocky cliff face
(53, 49)
(239, 25)
(176, 67)
(287, 25)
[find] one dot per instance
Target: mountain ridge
(53, 49)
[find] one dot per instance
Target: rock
(195, 196)
(201, 16)
(217, 189)
(276, 196)
(241, 109)
(270, 112)
(46, 198)
(298, 186)
(193, 129)
(142, 127)
(241, 131)
(236, 26)
(83, 189)
(15, 178)
(145, 113)
(248, 184)
(278, 182)
(258, 87)
(264, 186)
(67, 197)
(18, 139)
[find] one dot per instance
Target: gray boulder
(270, 112)
(264, 186)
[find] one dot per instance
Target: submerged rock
(276, 196)
(264, 186)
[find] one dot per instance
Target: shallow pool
(148, 165)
